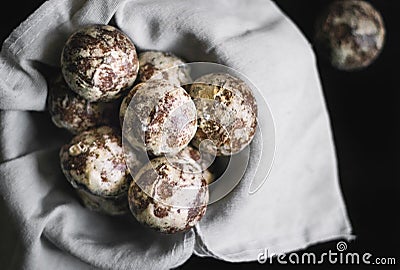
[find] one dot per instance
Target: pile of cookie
(107, 94)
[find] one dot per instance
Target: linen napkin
(45, 227)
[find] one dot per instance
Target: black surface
(364, 114)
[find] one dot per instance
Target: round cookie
(168, 197)
(226, 113)
(93, 162)
(158, 117)
(163, 65)
(350, 34)
(74, 113)
(99, 62)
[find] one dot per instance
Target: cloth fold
(44, 225)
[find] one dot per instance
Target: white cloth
(43, 225)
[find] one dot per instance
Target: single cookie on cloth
(70, 111)
(226, 113)
(163, 65)
(93, 162)
(158, 117)
(168, 195)
(350, 34)
(99, 62)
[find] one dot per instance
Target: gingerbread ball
(99, 62)
(226, 113)
(168, 197)
(93, 162)
(163, 65)
(70, 111)
(159, 117)
(350, 34)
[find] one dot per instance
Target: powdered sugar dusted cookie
(226, 113)
(94, 162)
(74, 113)
(350, 33)
(159, 117)
(163, 65)
(99, 62)
(168, 197)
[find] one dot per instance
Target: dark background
(364, 116)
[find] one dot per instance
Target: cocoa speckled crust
(94, 161)
(351, 34)
(161, 117)
(191, 154)
(72, 112)
(226, 113)
(168, 197)
(99, 62)
(163, 65)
